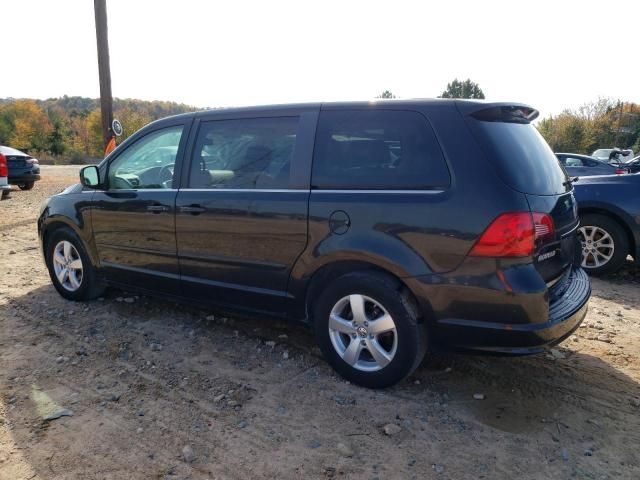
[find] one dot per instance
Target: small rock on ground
(391, 429)
(188, 454)
(64, 412)
(344, 449)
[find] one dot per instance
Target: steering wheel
(165, 174)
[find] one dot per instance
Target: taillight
(4, 171)
(32, 161)
(620, 171)
(514, 235)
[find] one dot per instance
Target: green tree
(56, 143)
(386, 94)
(464, 89)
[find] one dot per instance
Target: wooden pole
(106, 101)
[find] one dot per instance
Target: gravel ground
(151, 389)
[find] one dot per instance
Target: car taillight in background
(31, 161)
(4, 171)
(514, 234)
(620, 171)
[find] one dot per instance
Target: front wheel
(604, 244)
(70, 269)
(366, 327)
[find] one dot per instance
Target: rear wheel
(70, 269)
(605, 245)
(26, 186)
(366, 327)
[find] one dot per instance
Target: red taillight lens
(514, 235)
(620, 171)
(509, 235)
(4, 171)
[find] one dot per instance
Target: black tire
(389, 293)
(620, 243)
(90, 287)
(5, 194)
(26, 186)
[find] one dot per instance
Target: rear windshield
(602, 153)
(523, 158)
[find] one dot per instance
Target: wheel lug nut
(363, 343)
(353, 335)
(366, 324)
(371, 336)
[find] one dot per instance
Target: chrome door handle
(193, 209)
(157, 208)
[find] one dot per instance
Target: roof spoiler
(499, 112)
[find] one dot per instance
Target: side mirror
(90, 177)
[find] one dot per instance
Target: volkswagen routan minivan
(390, 227)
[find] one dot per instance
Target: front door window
(148, 163)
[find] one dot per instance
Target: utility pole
(106, 101)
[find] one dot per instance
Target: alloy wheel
(363, 333)
(597, 246)
(67, 265)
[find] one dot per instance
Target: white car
(5, 188)
(613, 155)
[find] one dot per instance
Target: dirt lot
(151, 382)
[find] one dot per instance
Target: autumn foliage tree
(600, 124)
(25, 125)
(69, 128)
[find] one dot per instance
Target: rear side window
(522, 157)
(575, 162)
(377, 149)
(245, 153)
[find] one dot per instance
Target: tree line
(69, 129)
(604, 123)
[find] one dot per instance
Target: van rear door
(526, 163)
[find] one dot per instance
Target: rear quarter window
(522, 157)
(377, 149)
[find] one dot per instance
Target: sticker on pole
(116, 127)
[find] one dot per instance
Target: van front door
(134, 218)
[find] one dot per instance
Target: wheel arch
(618, 218)
(335, 269)
(55, 223)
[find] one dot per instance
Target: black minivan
(389, 227)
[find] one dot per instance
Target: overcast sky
(550, 54)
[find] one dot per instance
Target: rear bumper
(24, 178)
(565, 305)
